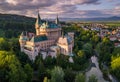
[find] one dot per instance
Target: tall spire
(62, 34)
(57, 20)
(46, 23)
(38, 21)
(22, 34)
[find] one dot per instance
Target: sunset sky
(64, 8)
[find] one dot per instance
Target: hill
(16, 18)
(20, 18)
(12, 25)
(114, 18)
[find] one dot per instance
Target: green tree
(62, 60)
(115, 58)
(6, 58)
(69, 75)
(41, 71)
(4, 45)
(80, 78)
(12, 70)
(81, 54)
(95, 39)
(14, 45)
(105, 40)
(88, 50)
(29, 72)
(37, 62)
(46, 79)
(105, 49)
(98, 48)
(80, 57)
(84, 38)
(49, 62)
(2, 34)
(57, 75)
(16, 74)
(92, 78)
(116, 51)
(115, 66)
(23, 58)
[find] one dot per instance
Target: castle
(48, 41)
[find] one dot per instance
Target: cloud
(112, 0)
(80, 2)
(113, 12)
(49, 8)
(33, 4)
(25, 4)
(117, 8)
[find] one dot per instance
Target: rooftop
(39, 38)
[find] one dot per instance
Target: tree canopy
(57, 75)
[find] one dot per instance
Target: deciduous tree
(57, 75)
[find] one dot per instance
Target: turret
(57, 20)
(23, 38)
(34, 49)
(37, 24)
(47, 24)
(38, 21)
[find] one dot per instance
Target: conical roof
(38, 21)
(57, 20)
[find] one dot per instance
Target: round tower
(22, 41)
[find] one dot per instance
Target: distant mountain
(20, 18)
(114, 18)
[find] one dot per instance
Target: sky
(64, 8)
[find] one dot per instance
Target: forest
(15, 66)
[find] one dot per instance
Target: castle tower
(57, 20)
(37, 24)
(22, 41)
(34, 49)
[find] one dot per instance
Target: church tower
(37, 24)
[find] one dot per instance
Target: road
(95, 70)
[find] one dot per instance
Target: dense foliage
(15, 66)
